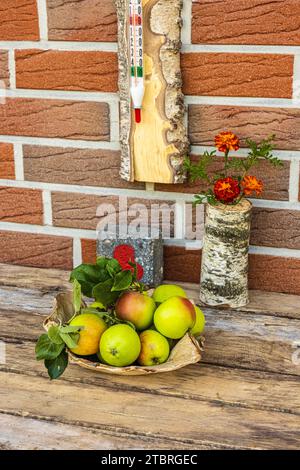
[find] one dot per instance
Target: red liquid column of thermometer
(137, 89)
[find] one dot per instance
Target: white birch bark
(162, 20)
(224, 270)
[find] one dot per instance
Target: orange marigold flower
(226, 190)
(251, 184)
(226, 141)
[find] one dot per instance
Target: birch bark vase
(224, 269)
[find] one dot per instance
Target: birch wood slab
(224, 261)
(153, 150)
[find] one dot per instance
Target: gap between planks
(238, 388)
(49, 280)
(156, 416)
(49, 435)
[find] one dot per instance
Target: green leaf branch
(51, 347)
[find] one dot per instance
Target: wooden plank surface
(232, 338)
(226, 386)
(53, 280)
(237, 404)
(23, 433)
(147, 415)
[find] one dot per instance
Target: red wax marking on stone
(138, 115)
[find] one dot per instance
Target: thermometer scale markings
(136, 56)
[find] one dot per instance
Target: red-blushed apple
(137, 308)
(155, 348)
(174, 317)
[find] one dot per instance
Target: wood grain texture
(228, 407)
(227, 386)
(135, 414)
(66, 70)
(246, 22)
(224, 74)
(154, 150)
(245, 121)
(49, 280)
(91, 20)
(50, 435)
(74, 166)
(233, 339)
(51, 118)
(39, 278)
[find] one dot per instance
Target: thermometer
(137, 89)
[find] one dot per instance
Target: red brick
(67, 70)
(19, 20)
(89, 249)
(90, 20)
(74, 166)
(274, 273)
(247, 122)
(79, 210)
(4, 72)
(55, 118)
(268, 273)
(276, 180)
(275, 227)
(228, 74)
(7, 164)
(21, 205)
(181, 264)
(246, 22)
(30, 249)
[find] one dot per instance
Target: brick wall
(59, 150)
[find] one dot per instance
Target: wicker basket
(186, 351)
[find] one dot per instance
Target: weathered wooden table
(244, 394)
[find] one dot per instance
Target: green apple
(174, 317)
(155, 348)
(199, 323)
(120, 345)
(137, 308)
(165, 291)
